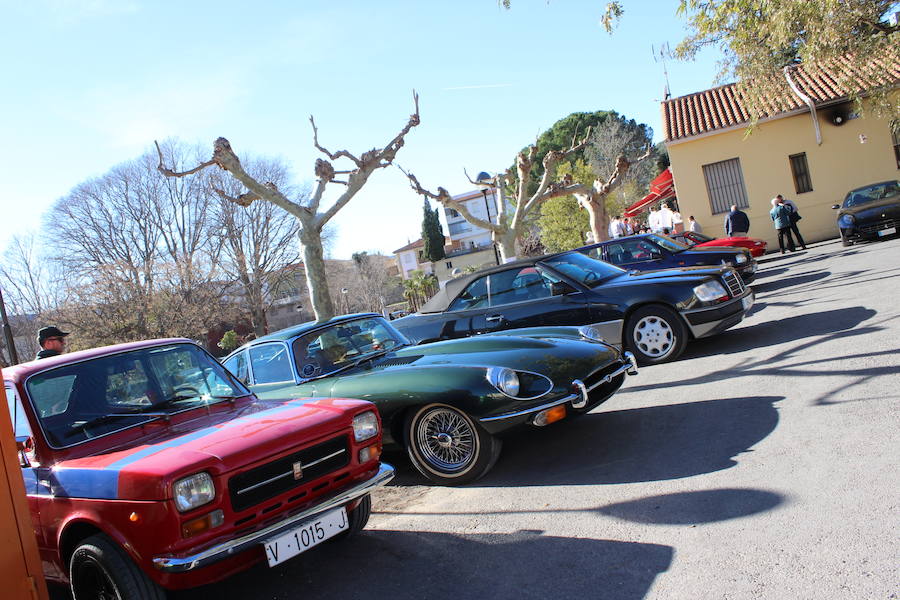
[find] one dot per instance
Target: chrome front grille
(257, 485)
(734, 283)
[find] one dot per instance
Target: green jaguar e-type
(445, 402)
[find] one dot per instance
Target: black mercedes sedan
(869, 213)
(655, 251)
(652, 313)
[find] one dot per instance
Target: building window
(895, 138)
(725, 185)
(451, 213)
(457, 228)
(800, 170)
(448, 264)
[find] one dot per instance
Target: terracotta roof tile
(725, 106)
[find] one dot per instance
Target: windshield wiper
(80, 426)
(370, 357)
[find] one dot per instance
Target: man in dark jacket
(737, 223)
(52, 341)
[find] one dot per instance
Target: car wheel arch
(635, 307)
(72, 534)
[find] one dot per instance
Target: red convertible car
(756, 246)
(148, 466)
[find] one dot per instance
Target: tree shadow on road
(784, 282)
(400, 565)
(644, 444)
(690, 508)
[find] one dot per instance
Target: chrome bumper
(180, 564)
(578, 399)
(631, 368)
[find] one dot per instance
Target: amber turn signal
(201, 524)
(134, 517)
(551, 415)
(368, 453)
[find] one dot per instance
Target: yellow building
(813, 157)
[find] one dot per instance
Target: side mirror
(835, 206)
(25, 447)
(561, 288)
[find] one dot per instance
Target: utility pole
(7, 333)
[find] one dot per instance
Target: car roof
(442, 299)
(21, 371)
(289, 333)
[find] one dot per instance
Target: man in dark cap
(52, 341)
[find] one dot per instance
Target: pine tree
(432, 234)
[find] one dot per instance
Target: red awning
(661, 188)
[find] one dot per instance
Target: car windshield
(95, 397)
(667, 243)
(326, 351)
(699, 238)
(583, 269)
(871, 193)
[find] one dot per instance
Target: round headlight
(846, 220)
(740, 259)
(193, 491)
(505, 380)
(710, 291)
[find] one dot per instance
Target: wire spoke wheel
(93, 581)
(654, 336)
(446, 439)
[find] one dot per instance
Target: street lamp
(486, 182)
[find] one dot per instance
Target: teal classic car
(444, 402)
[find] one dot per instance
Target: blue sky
(92, 83)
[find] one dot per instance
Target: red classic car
(756, 246)
(149, 466)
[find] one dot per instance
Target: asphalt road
(762, 464)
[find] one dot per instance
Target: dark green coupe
(444, 402)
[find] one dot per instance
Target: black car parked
(870, 212)
(653, 314)
(654, 251)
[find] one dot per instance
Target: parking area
(762, 464)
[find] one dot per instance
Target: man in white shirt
(616, 229)
(666, 218)
(653, 220)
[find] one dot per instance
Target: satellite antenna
(662, 54)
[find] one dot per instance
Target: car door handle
(494, 318)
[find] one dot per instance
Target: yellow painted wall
(480, 259)
(840, 164)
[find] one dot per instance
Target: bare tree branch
(334, 156)
(170, 173)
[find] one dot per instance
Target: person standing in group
(653, 220)
(737, 223)
(666, 218)
(677, 222)
(616, 228)
(693, 225)
(627, 226)
(52, 342)
(795, 216)
(781, 217)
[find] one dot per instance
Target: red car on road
(756, 246)
(148, 466)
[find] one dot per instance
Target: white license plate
(747, 302)
(305, 536)
(888, 231)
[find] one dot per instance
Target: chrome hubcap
(654, 336)
(446, 440)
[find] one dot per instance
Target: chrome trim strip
(582, 401)
(528, 411)
(180, 564)
(285, 474)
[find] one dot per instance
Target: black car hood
(682, 274)
(873, 210)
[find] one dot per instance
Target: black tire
(656, 334)
(447, 446)
(845, 242)
(359, 516)
(99, 568)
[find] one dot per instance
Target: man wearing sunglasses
(52, 341)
